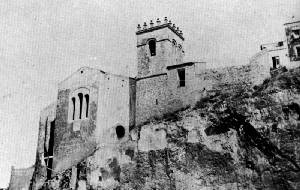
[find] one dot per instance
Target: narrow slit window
(80, 95)
(51, 139)
(73, 114)
(87, 105)
(48, 158)
(298, 51)
(45, 140)
(49, 167)
(152, 47)
(181, 76)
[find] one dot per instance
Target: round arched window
(79, 104)
(120, 131)
(152, 47)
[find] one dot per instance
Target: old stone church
(95, 112)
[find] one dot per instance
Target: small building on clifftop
(284, 53)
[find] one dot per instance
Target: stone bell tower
(158, 46)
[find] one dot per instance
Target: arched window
(152, 47)
(80, 95)
(120, 131)
(79, 104)
(73, 110)
(87, 105)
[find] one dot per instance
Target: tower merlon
(159, 25)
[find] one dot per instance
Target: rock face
(238, 137)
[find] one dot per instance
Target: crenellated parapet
(159, 24)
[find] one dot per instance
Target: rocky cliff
(239, 136)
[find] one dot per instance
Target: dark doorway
(275, 61)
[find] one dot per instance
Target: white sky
(44, 41)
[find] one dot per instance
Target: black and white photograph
(150, 95)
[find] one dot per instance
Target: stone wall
(111, 104)
(115, 101)
(161, 94)
(47, 116)
(184, 96)
(70, 144)
(251, 74)
(151, 98)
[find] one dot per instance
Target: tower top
(166, 23)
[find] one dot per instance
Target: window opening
(181, 75)
(45, 139)
(87, 105)
(275, 61)
(51, 140)
(120, 130)
(73, 115)
(49, 154)
(80, 103)
(298, 51)
(152, 47)
(49, 167)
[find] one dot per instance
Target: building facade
(292, 31)
(95, 110)
(284, 53)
